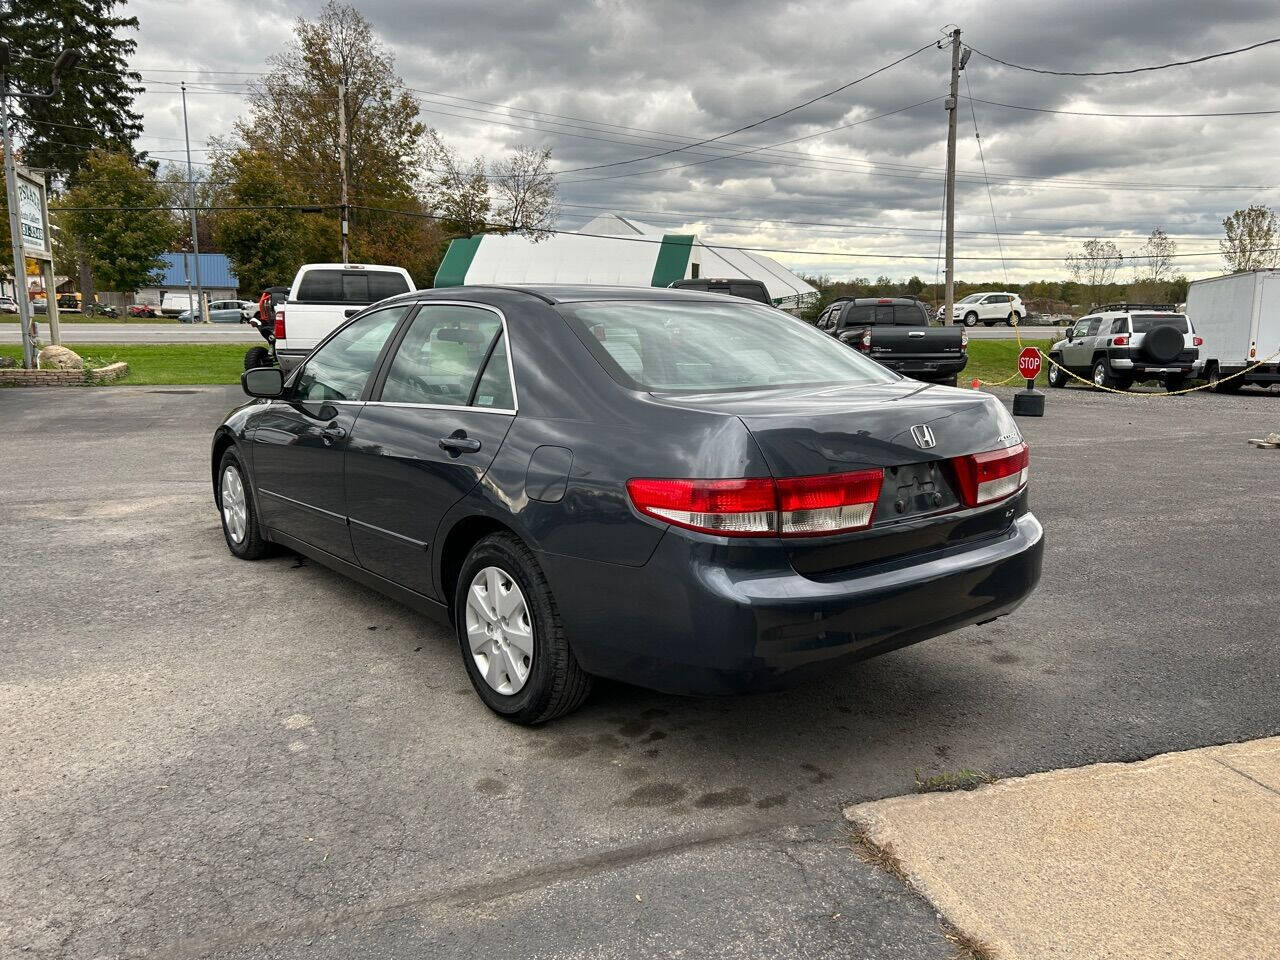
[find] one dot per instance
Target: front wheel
(235, 505)
(1057, 376)
(511, 637)
(970, 319)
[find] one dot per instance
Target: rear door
(1268, 318)
(436, 419)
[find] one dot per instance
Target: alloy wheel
(235, 511)
(499, 630)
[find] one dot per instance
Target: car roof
(565, 293)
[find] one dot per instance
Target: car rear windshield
(1142, 322)
(350, 286)
(735, 288)
(667, 346)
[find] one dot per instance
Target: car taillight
(761, 506)
(279, 330)
(964, 339)
(1119, 341)
(864, 341)
(1197, 341)
(994, 475)
(832, 503)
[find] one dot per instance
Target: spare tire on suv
(1162, 344)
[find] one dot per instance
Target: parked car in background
(596, 481)
(895, 331)
(1124, 343)
(1239, 318)
(987, 308)
(323, 295)
(222, 311)
(747, 289)
(8, 305)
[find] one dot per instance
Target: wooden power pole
(952, 103)
(343, 149)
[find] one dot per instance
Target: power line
(756, 123)
(1116, 73)
(990, 200)
(1144, 116)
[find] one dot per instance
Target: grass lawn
(224, 362)
(162, 363)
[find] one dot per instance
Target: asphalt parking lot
(202, 757)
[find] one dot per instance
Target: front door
(1078, 353)
(300, 441)
(429, 433)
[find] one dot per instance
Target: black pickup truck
(895, 331)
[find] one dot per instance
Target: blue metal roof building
(215, 271)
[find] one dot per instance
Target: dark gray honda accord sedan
(680, 490)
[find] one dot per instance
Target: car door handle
(915, 333)
(332, 432)
(459, 443)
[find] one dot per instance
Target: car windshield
(1142, 322)
(972, 298)
(690, 346)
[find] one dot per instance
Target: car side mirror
(265, 382)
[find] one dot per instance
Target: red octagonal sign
(1029, 362)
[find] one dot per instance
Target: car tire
(970, 319)
(554, 683)
(257, 357)
(235, 507)
(1056, 376)
(1174, 383)
(1213, 377)
(1102, 375)
(1014, 318)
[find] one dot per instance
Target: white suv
(990, 308)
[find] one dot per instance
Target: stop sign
(1029, 362)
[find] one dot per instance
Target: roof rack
(1130, 307)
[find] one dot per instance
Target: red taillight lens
(994, 475)
(834, 503)
(1197, 341)
(760, 506)
(864, 341)
(734, 508)
(1119, 341)
(279, 330)
(964, 339)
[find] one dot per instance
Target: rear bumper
(924, 367)
(682, 624)
(1187, 363)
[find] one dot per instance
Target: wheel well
(453, 554)
(1098, 355)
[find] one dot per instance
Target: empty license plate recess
(914, 489)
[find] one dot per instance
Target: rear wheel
(257, 357)
(1175, 382)
(1013, 319)
(1213, 377)
(512, 640)
(1102, 375)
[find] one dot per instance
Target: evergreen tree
(95, 106)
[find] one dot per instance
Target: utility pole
(198, 305)
(343, 149)
(66, 60)
(952, 103)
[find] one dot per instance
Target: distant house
(216, 277)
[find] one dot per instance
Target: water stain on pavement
(655, 795)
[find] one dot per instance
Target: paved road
(239, 333)
(140, 333)
(201, 757)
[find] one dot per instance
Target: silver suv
(989, 308)
(1124, 343)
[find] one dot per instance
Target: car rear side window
(682, 346)
(440, 357)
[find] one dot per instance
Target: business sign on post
(33, 217)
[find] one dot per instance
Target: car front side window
(341, 367)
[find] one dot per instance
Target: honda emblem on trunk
(923, 436)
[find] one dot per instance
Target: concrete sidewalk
(1176, 856)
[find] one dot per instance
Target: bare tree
(526, 191)
(1253, 239)
(1096, 265)
(458, 191)
(1153, 261)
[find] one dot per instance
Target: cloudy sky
(603, 81)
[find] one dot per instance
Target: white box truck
(323, 296)
(1239, 318)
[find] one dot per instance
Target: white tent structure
(612, 250)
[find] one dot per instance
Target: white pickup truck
(323, 296)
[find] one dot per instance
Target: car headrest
(461, 335)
